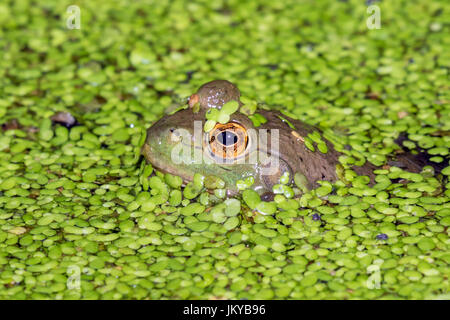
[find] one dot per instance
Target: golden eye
(228, 141)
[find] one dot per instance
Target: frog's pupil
(227, 138)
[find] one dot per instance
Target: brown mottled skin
(215, 94)
(294, 156)
(314, 165)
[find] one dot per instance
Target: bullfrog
(228, 149)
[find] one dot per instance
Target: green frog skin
(294, 156)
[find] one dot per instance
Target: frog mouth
(156, 160)
(158, 163)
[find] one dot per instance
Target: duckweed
(230, 107)
(257, 119)
(209, 125)
(76, 197)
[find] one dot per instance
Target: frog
(227, 150)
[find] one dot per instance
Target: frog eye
(228, 141)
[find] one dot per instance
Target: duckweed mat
(83, 217)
